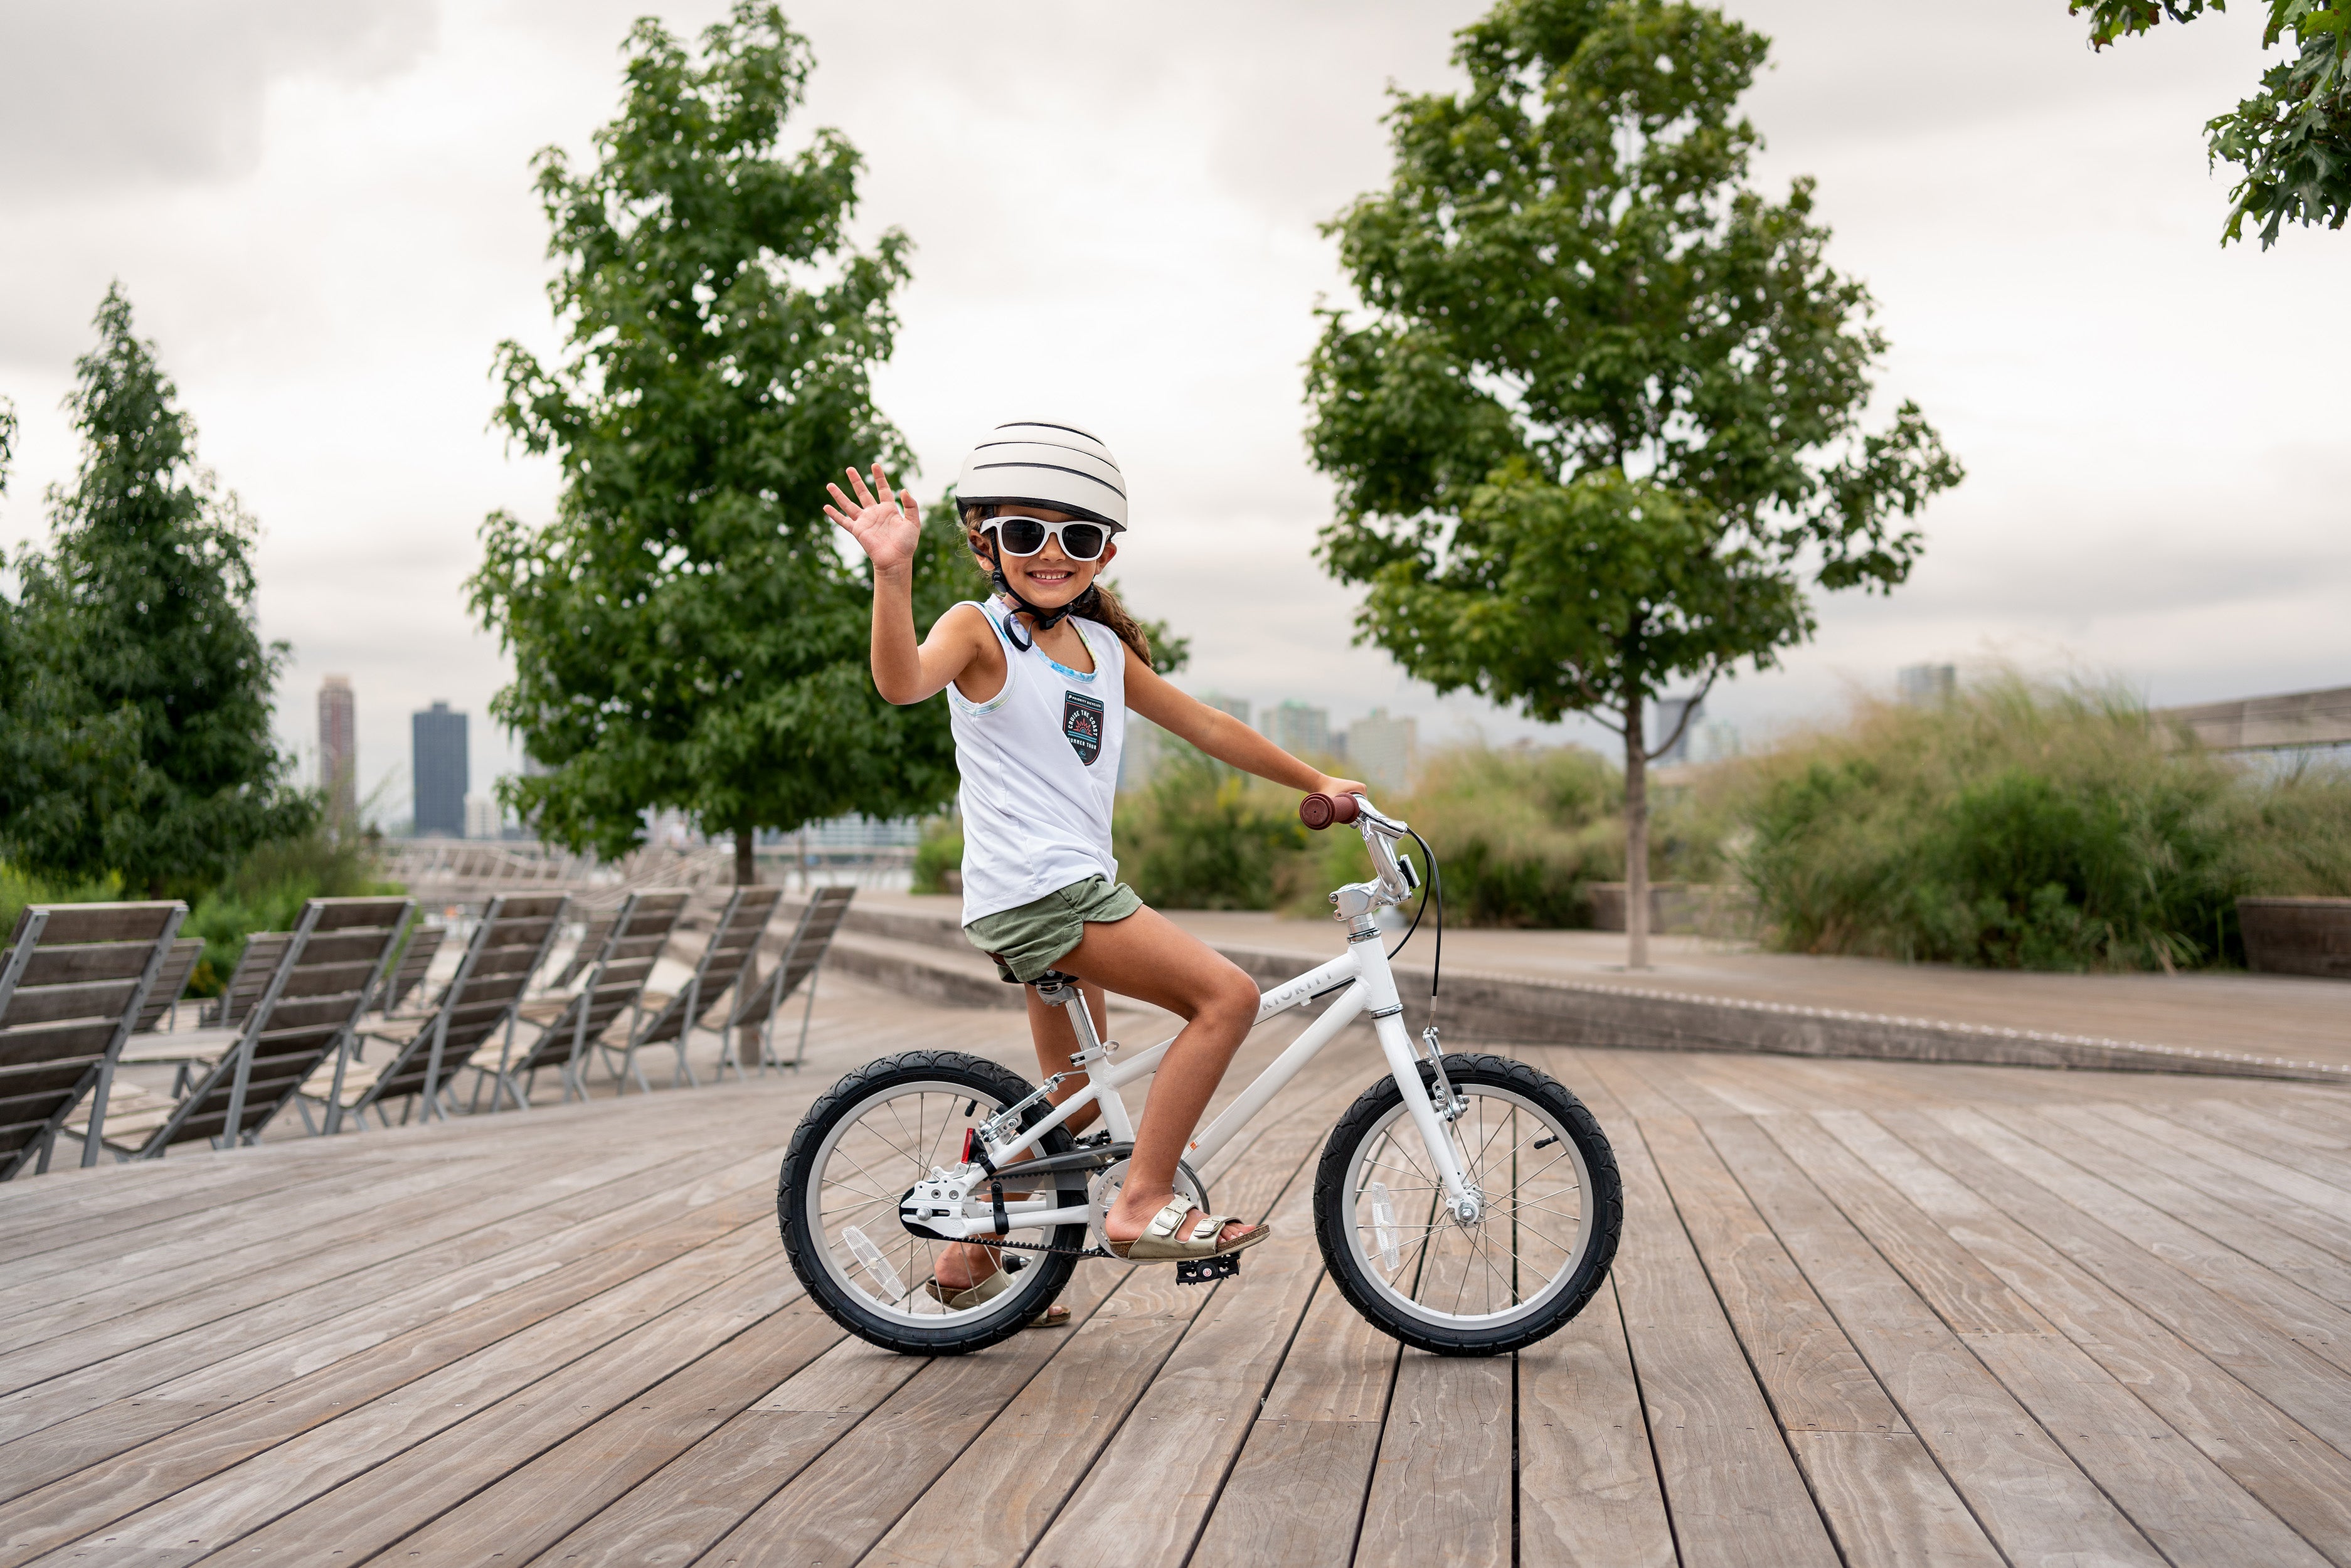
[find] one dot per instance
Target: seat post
(1056, 989)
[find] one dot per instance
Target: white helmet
(1041, 463)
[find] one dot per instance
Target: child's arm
(888, 530)
(1223, 737)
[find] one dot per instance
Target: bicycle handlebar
(1319, 811)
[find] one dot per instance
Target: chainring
(1103, 1191)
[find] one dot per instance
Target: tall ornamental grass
(2030, 827)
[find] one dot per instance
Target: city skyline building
(1926, 686)
(484, 820)
(338, 750)
(1664, 716)
(438, 775)
(1236, 707)
(1299, 728)
(1383, 752)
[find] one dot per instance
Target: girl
(1040, 679)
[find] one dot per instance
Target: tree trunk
(747, 869)
(1636, 838)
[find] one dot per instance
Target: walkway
(1864, 1312)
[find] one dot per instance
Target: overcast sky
(322, 216)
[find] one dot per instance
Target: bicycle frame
(1370, 985)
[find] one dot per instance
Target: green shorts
(1027, 941)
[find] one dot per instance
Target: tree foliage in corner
(2291, 141)
(685, 632)
(1597, 427)
(135, 737)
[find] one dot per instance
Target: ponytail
(1099, 604)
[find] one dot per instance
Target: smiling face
(1048, 578)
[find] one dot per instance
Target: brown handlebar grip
(1319, 811)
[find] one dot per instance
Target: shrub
(17, 889)
(2024, 827)
(940, 852)
(1203, 836)
(267, 892)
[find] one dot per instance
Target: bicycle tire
(1340, 1201)
(1042, 1277)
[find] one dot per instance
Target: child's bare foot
(964, 1265)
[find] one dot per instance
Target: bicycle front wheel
(1551, 1207)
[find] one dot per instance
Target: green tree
(136, 739)
(2291, 141)
(1597, 427)
(685, 632)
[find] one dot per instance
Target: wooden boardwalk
(1864, 1312)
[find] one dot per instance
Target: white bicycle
(1468, 1205)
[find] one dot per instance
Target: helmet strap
(1043, 619)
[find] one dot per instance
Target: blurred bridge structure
(2295, 720)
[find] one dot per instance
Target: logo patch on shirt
(1082, 723)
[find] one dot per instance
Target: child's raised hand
(887, 529)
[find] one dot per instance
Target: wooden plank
(2298, 1381)
(2284, 1306)
(2311, 1267)
(1295, 1495)
(2258, 1168)
(2225, 1188)
(2280, 1141)
(388, 1501)
(229, 1500)
(683, 1508)
(2298, 1476)
(1814, 1378)
(1889, 1502)
(2020, 1486)
(1007, 1488)
(845, 1499)
(1441, 1491)
(70, 922)
(1187, 1429)
(515, 1334)
(1731, 1484)
(1588, 1486)
(2178, 1496)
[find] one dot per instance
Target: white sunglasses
(1024, 537)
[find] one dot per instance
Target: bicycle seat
(1054, 977)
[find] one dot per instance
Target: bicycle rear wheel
(1552, 1208)
(857, 1152)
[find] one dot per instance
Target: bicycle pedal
(1208, 1270)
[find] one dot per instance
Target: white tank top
(1039, 767)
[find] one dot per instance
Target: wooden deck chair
(477, 1005)
(72, 985)
(758, 999)
(335, 960)
(415, 961)
(163, 997)
(248, 980)
(734, 943)
(591, 943)
(568, 1027)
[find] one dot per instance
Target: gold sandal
(1160, 1244)
(988, 1290)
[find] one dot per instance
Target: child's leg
(1056, 1038)
(1150, 957)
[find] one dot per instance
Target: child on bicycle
(1039, 680)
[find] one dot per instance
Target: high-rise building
(1926, 686)
(1300, 730)
(1383, 752)
(437, 773)
(1140, 753)
(1236, 707)
(483, 818)
(339, 750)
(1667, 715)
